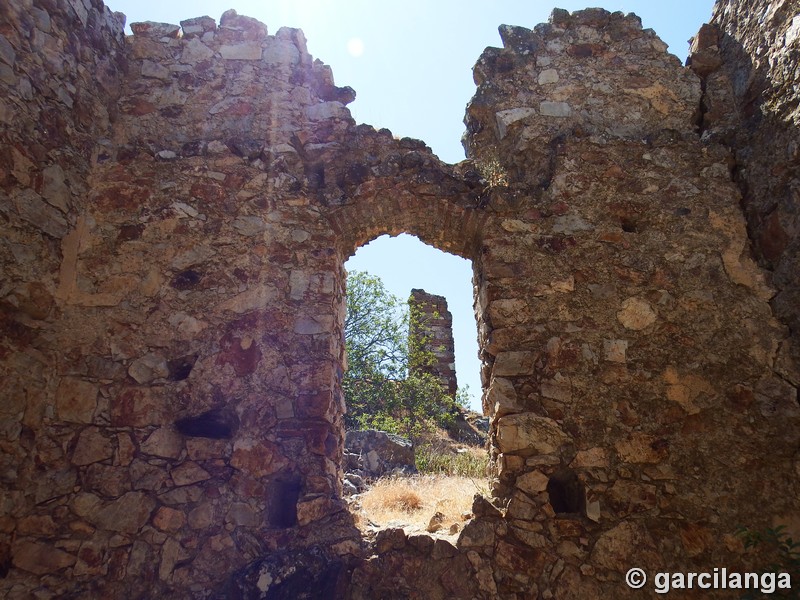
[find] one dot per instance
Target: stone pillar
(432, 327)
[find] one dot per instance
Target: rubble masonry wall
(177, 207)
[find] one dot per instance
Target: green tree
(382, 388)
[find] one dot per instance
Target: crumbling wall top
(199, 82)
(591, 72)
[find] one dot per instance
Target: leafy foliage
(385, 386)
(464, 396)
(782, 552)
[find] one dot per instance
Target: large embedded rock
(529, 433)
(381, 452)
(40, 558)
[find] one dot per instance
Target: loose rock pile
(370, 454)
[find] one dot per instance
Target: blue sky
(410, 63)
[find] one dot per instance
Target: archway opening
(423, 472)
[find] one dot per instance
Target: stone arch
(450, 308)
(450, 224)
(447, 225)
(388, 186)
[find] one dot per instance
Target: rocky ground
(425, 486)
(436, 504)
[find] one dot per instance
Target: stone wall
(747, 58)
(432, 326)
(172, 309)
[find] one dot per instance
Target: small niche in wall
(629, 225)
(217, 424)
(283, 495)
(566, 492)
(180, 368)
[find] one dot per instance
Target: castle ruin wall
(177, 207)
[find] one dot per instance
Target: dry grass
(410, 502)
(443, 459)
(400, 499)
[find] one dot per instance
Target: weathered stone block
(109, 480)
(169, 519)
(477, 532)
(548, 76)
(40, 559)
(37, 525)
(154, 70)
(612, 550)
(139, 407)
(243, 514)
(314, 509)
(636, 314)
(591, 458)
(256, 458)
(615, 351)
(555, 109)
(506, 118)
(171, 553)
(627, 497)
(93, 446)
(558, 388)
(163, 442)
(197, 27)
(530, 433)
(54, 484)
(127, 514)
(188, 473)
(242, 353)
(7, 53)
(281, 52)
(151, 29)
(55, 189)
(195, 51)
(246, 51)
(32, 208)
(533, 482)
(202, 516)
(149, 367)
(641, 447)
(511, 364)
(76, 400)
(327, 110)
(502, 397)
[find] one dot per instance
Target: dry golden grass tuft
(400, 498)
(412, 501)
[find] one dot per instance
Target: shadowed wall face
(177, 208)
(747, 59)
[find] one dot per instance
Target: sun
(355, 47)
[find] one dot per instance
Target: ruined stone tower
(433, 326)
(176, 210)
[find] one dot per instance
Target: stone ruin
(433, 330)
(177, 207)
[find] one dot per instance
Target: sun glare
(355, 47)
